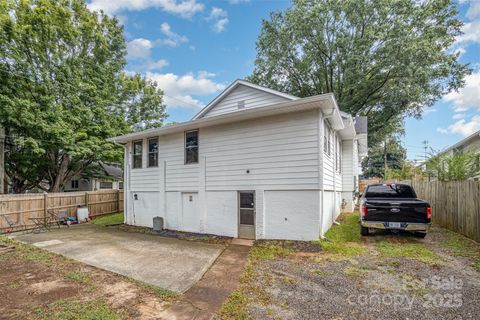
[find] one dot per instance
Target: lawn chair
(11, 224)
(59, 218)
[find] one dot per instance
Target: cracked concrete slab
(168, 263)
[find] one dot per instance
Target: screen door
(246, 215)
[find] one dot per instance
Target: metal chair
(59, 218)
(11, 224)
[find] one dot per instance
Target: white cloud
(468, 96)
(139, 48)
(458, 116)
(237, 1)
(473, 10)
(185, 8)
(217, 13)
(156, 65)
(463, 127)
(180, 89)
(470, 32)
(220, 25)
(172, 39)
(220, 18)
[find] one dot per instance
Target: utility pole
(385, 160)
(425, 147)
(2, 159)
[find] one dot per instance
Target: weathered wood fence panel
(19, 208)
(455, 205)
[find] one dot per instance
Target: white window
(327, 137)
(137, 154)
(153, 152)
(191, 146)
(74, 184)
(106, 185)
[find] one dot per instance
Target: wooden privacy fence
(455, 205)
(21, 207)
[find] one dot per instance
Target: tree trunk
(59, 177)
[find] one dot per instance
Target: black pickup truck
(393, 207)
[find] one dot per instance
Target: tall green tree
(63, 91)
(386, 59)
(384, 159)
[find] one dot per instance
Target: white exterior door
(145, 207)
(246, 214)
(190, 214)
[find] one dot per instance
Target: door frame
(254, 212)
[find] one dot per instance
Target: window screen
(137, 154)
(191, 147)
(153, 152)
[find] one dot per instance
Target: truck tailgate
(398, 210)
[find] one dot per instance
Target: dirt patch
(32, 283)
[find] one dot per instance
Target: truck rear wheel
(364, 231)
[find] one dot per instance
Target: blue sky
(195, 48)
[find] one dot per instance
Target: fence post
(118, 200)
(45, 204)
(86, 201)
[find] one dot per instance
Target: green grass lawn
(344, 240)
(109, 219)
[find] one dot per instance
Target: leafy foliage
(455, 167)
(374, 164)
(63, 91)
(385, 59)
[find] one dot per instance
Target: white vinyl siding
(328, 158)
(144, 179)
(279, 153)
(347, 165)
(252, 98)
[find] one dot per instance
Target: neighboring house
(254, 163)
(469, 144)
(103, 177)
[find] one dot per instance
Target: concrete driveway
(168, 263)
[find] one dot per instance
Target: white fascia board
(325, 102)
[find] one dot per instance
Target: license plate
(394, 225)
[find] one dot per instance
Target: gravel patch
(369, 286)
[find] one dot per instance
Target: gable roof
(235, 85)
(461, 143)
(325, 102)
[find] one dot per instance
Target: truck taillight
(429, 212)
(364, 210)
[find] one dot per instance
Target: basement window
(137, 154)
(153, 152)
(191, 146)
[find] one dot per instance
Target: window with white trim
(327, 137)
(153, 152)
(137, 154)
(191, 146)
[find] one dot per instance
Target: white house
(254, 163)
